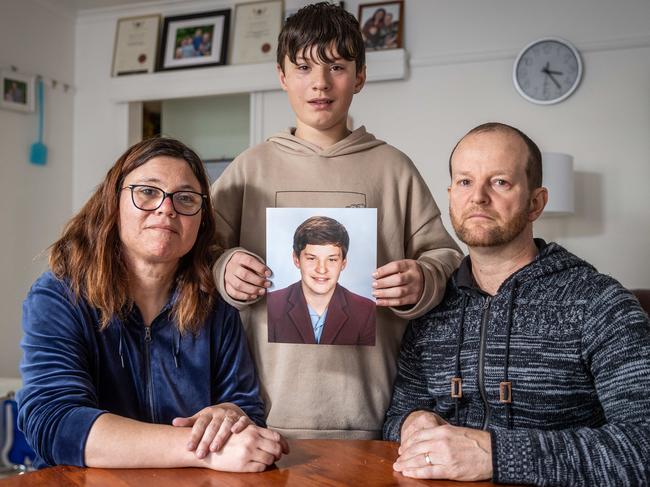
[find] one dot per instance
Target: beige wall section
(36, 200)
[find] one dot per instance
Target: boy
(329, 392)
(317, 309)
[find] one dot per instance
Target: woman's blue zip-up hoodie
(72, 372)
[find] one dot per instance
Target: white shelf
(242, 78)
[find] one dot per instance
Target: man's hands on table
(454, 452)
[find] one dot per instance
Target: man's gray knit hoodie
(575, 346)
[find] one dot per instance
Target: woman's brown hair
(88, 254)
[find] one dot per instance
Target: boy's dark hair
(320, 230)
(534, 161)
(322, 25)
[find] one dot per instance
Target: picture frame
(17, 91)
(136, 45)
(382, 24)
(256, 31)
(194, 40)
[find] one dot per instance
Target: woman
(126, 343)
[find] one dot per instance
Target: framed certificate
(195, 40)
(257, 26)
(136, 40)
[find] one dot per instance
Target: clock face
(547, 71)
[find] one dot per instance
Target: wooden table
(311, 463)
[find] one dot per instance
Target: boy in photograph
(317, 309)
(329, 392)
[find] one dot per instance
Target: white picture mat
(217, 37)
(361, 225)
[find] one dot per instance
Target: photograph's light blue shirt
(317, 322)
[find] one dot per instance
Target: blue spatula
(38, 150)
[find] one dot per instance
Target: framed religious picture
(17, 91)
(257, 26)
(322, 261)
(194, 40)
(136, 43)
(382, 24)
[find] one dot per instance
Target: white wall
(461, 61)
(36, 200)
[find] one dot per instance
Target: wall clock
(547, 70)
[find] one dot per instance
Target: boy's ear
(296, 259)
(361, 80)
(281, 77)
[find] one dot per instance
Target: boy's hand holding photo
(398, 283)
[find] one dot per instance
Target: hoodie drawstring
(176, 346)
(119, 348)
(457, 380)
(505, 387)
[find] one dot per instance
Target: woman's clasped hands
(225, 436)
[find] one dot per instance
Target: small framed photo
(17, 91)
(136, 42)
(382, 24)
(194, 40)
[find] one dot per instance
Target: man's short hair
(322, 25)
(534, 161)
(321, 230)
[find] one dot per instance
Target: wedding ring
(427, 459)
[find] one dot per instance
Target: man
(317, 309)
(535, 368)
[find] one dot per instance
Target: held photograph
(322, 261)
(17, 91)
(382, 24)
(195, 40)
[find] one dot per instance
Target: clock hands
(550, 74)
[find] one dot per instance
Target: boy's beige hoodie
(331, 391)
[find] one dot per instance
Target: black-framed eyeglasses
(150, 198)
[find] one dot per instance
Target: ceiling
(77, 5)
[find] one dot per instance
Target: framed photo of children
(194, 40)
(17, 91)
(382, 24)
(322, 261)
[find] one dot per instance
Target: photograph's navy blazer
(350, 318)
